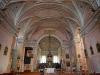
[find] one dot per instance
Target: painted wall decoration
(6, 50)
(28, 55)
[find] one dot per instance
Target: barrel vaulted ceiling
(29, 16)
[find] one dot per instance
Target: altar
(49, 70)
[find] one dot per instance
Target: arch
(68, 30)
(46, 35)
(35, 23)
(56, 6)
(69, 37)
(76, 21)
(51, 42)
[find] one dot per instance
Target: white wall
(90, 40)
(5, 40)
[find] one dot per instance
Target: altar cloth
(49, 70)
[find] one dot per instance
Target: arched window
(43, 59)
(98, 47)
(56, 59)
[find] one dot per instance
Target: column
(17, 54)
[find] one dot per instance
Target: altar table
(49, 70)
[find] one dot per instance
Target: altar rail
(23, 73)
(38, 73)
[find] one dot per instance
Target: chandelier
(49, 47)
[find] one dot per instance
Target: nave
(39, 35)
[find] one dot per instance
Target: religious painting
(29, 53)
(79, 55)
(86, 54)
(0, 47)
(98, 47)
(68, 64)
(27, 60)
(67, 56)
(6, 50)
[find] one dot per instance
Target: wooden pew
(30, 73)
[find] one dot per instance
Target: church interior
(49, 37)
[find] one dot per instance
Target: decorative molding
(5, 24)
(91, 23)
(3, 3)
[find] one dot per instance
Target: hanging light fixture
(49, 47)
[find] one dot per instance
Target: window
(98, 47)
(98, 2)
(91, 49)
(43, 59)
(56, 59)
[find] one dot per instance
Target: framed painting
(0, 47)
(6, 50)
